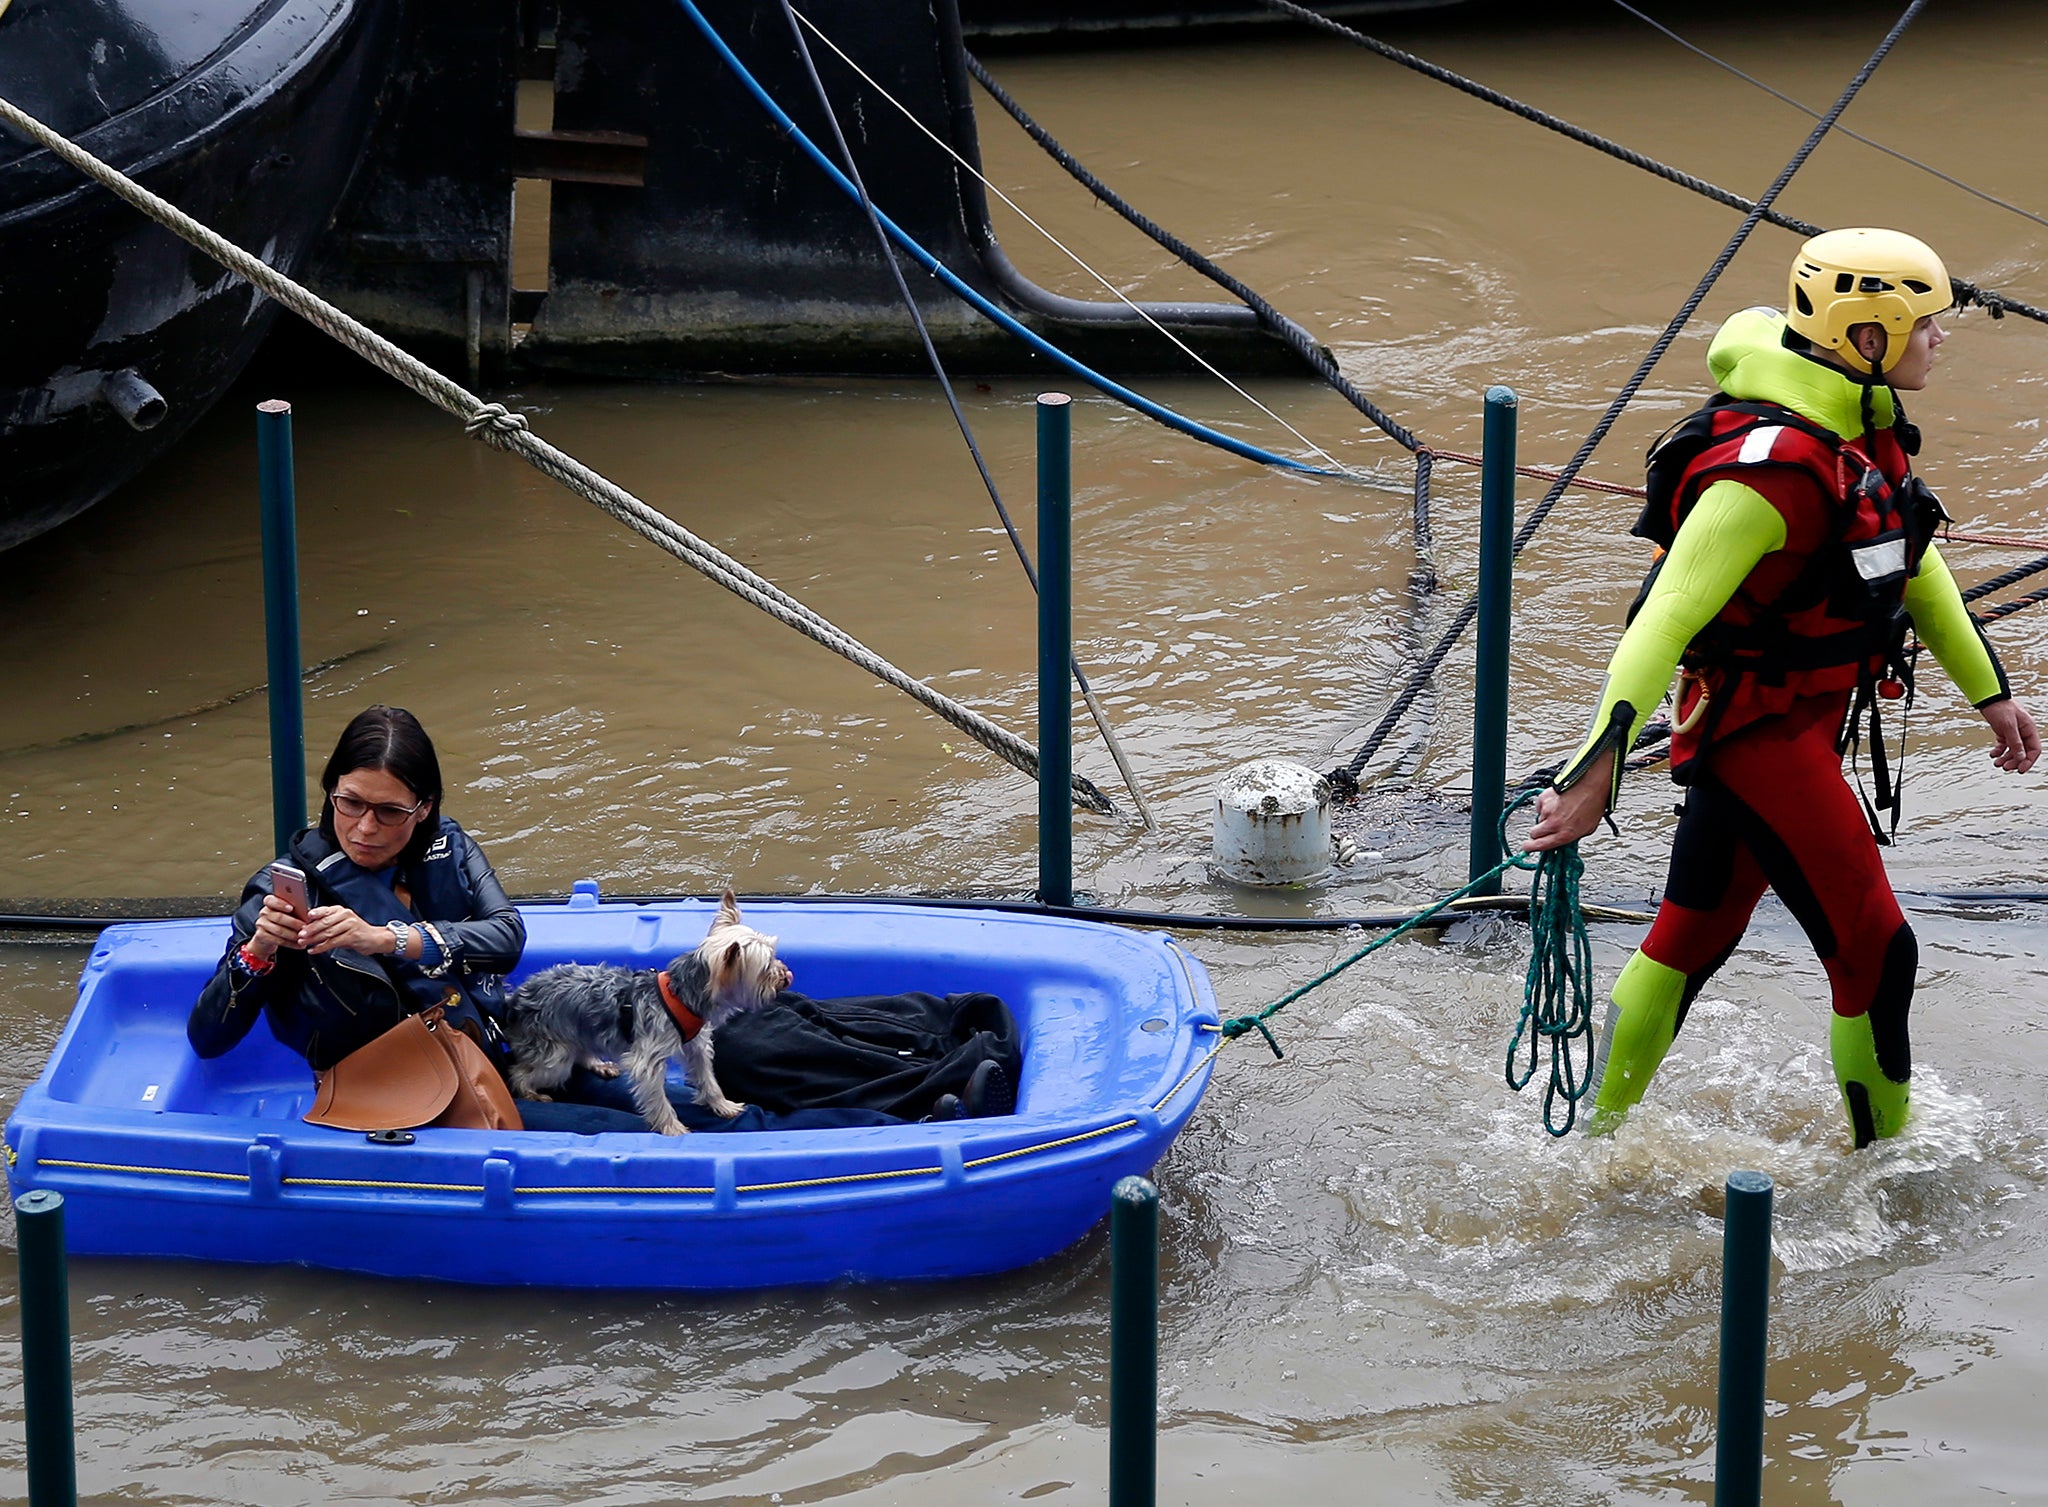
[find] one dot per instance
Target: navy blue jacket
(325, 1007)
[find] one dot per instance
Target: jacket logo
(438, 848)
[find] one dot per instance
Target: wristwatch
(401, 934)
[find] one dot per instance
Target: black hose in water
(1374, 921)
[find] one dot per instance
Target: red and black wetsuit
(1797, 559)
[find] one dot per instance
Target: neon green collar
(1749, 360)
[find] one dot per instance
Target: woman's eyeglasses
(352, 808)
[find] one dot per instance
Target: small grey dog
(635, 1019)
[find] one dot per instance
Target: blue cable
(939, 269)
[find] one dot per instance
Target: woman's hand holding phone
(276, 926)
(288, 920)
(281, 922)
(327, 928)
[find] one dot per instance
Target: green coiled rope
(1556, 995)
(1557, 998)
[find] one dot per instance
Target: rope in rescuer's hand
(1556, 995)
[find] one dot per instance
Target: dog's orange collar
(688, 1021)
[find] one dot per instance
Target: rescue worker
(1798, 552)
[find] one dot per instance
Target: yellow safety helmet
(1843, 278)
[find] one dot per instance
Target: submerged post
(1133, 1343)
(281, 619)
(1496, 605)
(1055, 650)
(46, 1349)
(1745, 1319)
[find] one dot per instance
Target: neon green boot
(1875, 1104)
(1640, 1031)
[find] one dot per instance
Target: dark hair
(391, 740)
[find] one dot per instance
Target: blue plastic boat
(160, 1154)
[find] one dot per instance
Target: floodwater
(1382, 1281)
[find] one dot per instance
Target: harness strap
(1866, 711)
(1677, 473)
(1727, 645)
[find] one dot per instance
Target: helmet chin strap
(1870, 387)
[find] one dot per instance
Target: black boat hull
(687, 233)
(115, 336)
(737, 253)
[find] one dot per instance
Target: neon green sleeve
(1729, 529)
(1945, 626)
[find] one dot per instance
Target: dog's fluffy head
(741, 961)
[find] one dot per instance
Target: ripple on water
(1503, 1219)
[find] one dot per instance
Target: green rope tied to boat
(1556, 998)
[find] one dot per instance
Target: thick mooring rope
(2007, 609)
(2011, 577)
(496, 425)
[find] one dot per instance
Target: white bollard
(1272, 824)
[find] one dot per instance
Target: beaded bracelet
(443, 955)
(252, 963)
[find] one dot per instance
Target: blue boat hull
(159, 1154)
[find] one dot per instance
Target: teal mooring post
(281, 619)
(46, 1349)
(1745, 1321)
(1055, 650)
(1496, 611)
(1133, 1343)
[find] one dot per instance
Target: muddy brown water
(1382, 1282)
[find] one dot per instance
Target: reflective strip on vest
(1756, 445)
(1880, 560)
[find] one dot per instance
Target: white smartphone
(288, 883)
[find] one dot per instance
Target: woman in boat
(406, 914)
(1799, 552)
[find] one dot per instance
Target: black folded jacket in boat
(893, 1052)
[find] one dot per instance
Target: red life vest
(1825, 613)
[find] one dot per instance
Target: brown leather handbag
(423, 1071)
